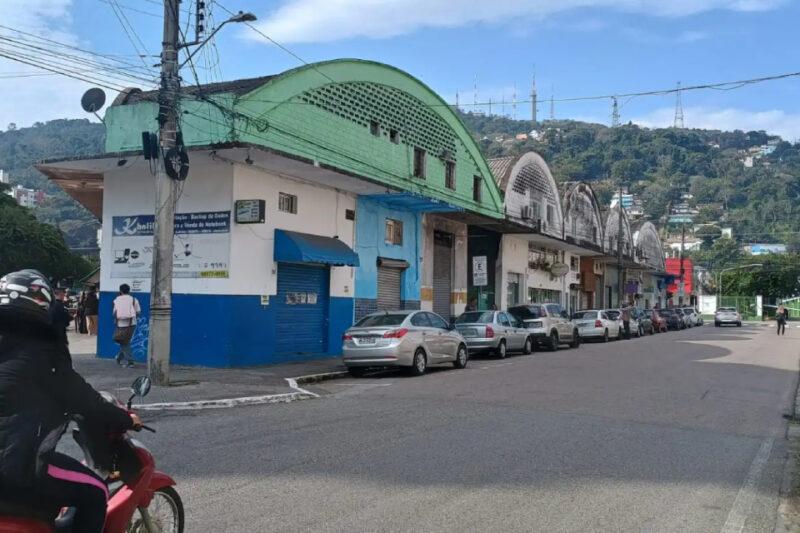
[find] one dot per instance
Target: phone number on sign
(214, 274)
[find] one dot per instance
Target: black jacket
(39, 391)
(91, 304)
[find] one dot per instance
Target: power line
(132, 9)
(129, 30)
(63, 73)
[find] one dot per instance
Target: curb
(297, 394)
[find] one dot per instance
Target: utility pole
(620, 236)
(158, 348)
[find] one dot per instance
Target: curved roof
(361, 118)
(528, 182)
(611, 231)
(583, 221)
(648, 243)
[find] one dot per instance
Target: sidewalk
(207, 386)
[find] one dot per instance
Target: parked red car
(659, 322)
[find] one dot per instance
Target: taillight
(489, 332)
(598, 324)
(395, 333)
(347, 337)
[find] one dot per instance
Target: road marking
(743, 503)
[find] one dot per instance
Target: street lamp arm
(240, 17)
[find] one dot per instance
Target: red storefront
(684, 279)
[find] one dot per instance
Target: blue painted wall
(371, 217)
(220, 330)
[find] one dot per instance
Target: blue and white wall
(227, 321)
(370, 244)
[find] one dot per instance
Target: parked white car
(595, 324)
(692, 316)
(548, 324)
(727, 315)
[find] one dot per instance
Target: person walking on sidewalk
(126, 312)
(91, 306)
(782, 316)
(626, 320)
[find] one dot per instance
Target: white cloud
(298, 21)
(692, 36)
(773, 121)
(38, 98)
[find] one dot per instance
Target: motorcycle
(141, 499)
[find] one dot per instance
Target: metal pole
(682, 286)
(619, 251)
(158, 350)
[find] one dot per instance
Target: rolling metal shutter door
(301, 321)
(442, 272)
(389, 288)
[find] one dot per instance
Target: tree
(708, 233)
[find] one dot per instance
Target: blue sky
(578, 47)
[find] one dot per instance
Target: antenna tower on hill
(678, 109)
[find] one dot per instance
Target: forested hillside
(761, 203)
(20, 148)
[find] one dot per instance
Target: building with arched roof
(652, 268)
(584, 227)
(311, 200)
(617, 238)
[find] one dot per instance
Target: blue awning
(294, 247)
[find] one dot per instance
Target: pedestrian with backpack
(126, 313)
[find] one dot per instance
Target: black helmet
(26, 296)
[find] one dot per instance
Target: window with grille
(287, 203)
(450, 174)
(394, 136)
(477, 182)
(419, 163)
(393, 233)
(375, 128)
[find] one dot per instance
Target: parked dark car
(659, 322)
(674, 320)
(645, 320)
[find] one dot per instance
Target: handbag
(123, 335)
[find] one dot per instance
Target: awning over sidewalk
(294, 247)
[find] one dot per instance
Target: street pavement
(675, 432)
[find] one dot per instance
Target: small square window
(375, 128)
(393, 233)
(450, 174)
(419, 163)
(394, 136)
(477, 184)
(287, 203)
(349, 214)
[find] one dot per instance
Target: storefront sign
(480, 276)
(249, 211)
(201, 245)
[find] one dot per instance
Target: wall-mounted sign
(559, 269)
(201, 245)
(480, 277)
(249, 211)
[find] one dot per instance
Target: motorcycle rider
(39, 392)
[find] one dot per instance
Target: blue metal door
(302, 309)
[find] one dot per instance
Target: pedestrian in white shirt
(126, 313)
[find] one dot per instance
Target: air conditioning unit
(526, 213)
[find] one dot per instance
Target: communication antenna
(614, 112)
(475, 94)
(678, 109)
(514, 103)
(552, 104)
(456, 99)
(533, 100)
(490, 105)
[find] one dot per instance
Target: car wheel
(420, 364)
(640, 332)
(357, 371)
(716, 324)
(461, 357)
(576, 340)
(552, 343)
(528, 348)
(605, 336)
(738, 324)
(500, 351)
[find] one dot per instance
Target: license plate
(366, 340)
(584, 324)
(469, 332)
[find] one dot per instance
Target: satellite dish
(93, 100)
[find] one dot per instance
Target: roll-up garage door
(389, 288)
(442, 273)
(301, 320)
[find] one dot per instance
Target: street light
(239, 17)
(719, 275)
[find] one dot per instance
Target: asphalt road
(679, 431)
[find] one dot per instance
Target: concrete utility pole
(158, 347)
(620, 235)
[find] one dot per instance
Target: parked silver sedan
(596, 324)
(494, 331)
(409, 339)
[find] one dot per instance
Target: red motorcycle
(141, 499)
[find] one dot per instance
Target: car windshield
(477, 317)
(526, 312)
(584, 314)
(667, 312)
(373, 321)
(726, 310)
